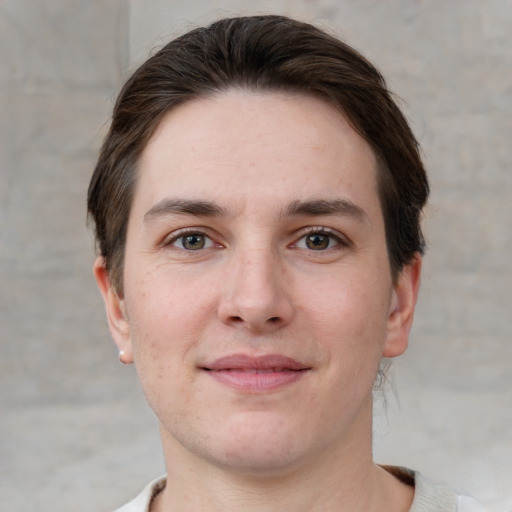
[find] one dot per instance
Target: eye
(191, 241)
(319, 240)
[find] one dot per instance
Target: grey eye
(317, 241)
(193, 242)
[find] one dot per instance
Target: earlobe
(116, 312)
(403, 303)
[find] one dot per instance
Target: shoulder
(469, 504)
(434, 497)
(143, 500)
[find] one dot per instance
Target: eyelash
(183, 233)
(333, 235)
(312, 231)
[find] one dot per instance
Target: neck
(342, 478)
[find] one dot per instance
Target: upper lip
(274, 362)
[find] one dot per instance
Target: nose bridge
(256, 275)
(255, 292)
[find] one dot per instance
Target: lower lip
(255, 381)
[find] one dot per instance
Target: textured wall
(75, 432)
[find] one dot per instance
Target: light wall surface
(75, 433)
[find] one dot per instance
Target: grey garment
(143, 501)
(431, 497)
(428, 497)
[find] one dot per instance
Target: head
(257, 204)
(262, 54)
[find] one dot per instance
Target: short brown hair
(261, 53)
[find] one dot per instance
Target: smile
(256, 374)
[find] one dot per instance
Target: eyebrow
(201, 208)
(317, 207)
(184, 207)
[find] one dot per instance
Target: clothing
(142, 502)
(428, 497)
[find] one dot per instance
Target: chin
(259, 446)
(263, 462)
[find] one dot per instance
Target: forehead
(238, 147)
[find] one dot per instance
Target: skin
(262, 284)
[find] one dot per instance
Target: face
(258, 300)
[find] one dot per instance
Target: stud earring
(121, 356)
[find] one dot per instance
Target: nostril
(239, 320)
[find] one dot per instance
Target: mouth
(256, 374)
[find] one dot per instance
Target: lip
(256, 374)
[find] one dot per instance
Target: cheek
(165, 301)
(169, 314)
(357, 303)
(350, 319)
(157, 317)
(162, 337)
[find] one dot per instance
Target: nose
(255, 293)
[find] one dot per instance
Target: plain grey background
(75, 433)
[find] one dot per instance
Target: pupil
(317, 242)
(193, 242)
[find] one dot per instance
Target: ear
(116, 312)
(403, 303)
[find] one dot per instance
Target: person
(257, 205)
